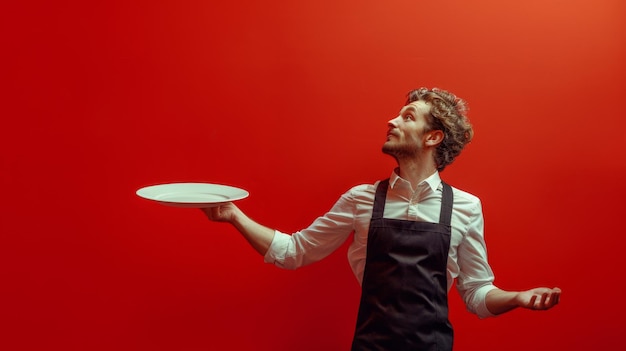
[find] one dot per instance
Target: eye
(409, 117)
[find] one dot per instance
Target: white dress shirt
(467, 256)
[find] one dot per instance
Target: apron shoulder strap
(380, 199)
(447, 200)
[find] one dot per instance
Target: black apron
(404, 294)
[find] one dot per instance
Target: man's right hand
(222, 213)
(260, 237)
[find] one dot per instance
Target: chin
(388, 144)
(388, 149)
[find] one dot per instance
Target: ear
(434, 137)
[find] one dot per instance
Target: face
(406, 133)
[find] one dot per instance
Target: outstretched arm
(499, 301)
(259, 236)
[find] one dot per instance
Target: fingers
(546, 300)
(221, 213)
(215, 213)
(212, 213)
(531, 303)
(557, 295)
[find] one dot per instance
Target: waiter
(413, 236)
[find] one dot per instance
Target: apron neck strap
(447, 199)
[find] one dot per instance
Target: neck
(415, 170)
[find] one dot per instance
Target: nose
(393, 123)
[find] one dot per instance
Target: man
(413, 236)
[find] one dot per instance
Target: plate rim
(243, 193)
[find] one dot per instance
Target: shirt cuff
(276, 252)
(481, 301)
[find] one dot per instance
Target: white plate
(192, 195)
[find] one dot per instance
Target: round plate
(192, 195)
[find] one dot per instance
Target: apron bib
(404, 297)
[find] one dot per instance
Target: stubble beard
(400, 151)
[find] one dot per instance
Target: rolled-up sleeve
(278, 249)
(320, 239)
(475, 278)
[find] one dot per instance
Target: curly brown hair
(447, 113)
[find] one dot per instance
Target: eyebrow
(408, 107)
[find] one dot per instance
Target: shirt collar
(433, 181)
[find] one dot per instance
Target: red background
(289, 100)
